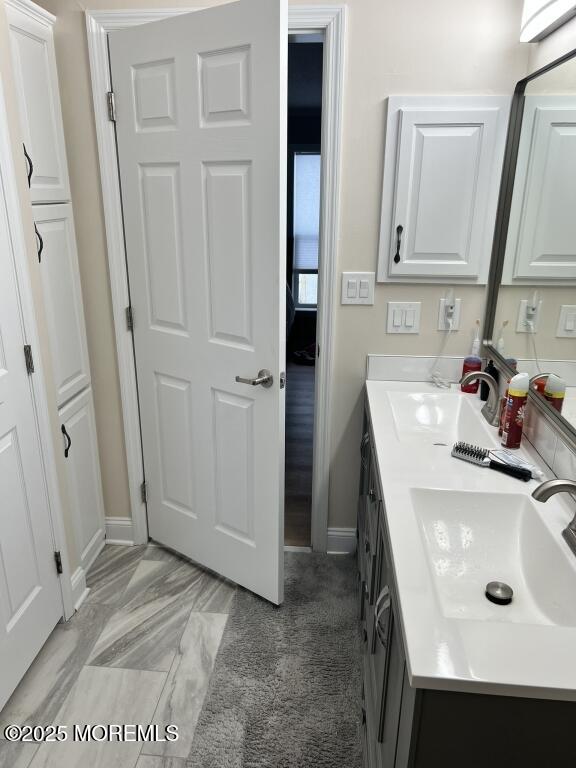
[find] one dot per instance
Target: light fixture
(541, 17)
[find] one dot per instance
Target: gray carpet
(285, 691)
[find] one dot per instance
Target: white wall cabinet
(541, 244)
(31, 33)
(63, 299)
(40, 114)
(79, 442)
(442, 164)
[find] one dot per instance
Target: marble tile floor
(140, 650)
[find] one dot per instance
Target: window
(306, 228)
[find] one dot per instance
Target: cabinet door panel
(542, 231)
(83, 474)
(442, 164)
(40, 113)
(63, 300)
(443, 178)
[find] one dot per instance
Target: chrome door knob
(264, 379)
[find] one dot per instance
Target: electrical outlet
(403, 317)
(524, 316)
(443, 320)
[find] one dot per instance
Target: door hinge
(318, 351)
(129, 318)
(58, 561)
(111, 102)
(29, 359)
(144, 492)
(282, 379)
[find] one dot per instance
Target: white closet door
(80, 446)
(443, 180)
(40, 113)
(58, 268)
(201, 129)
(542, 232)
(30, 597)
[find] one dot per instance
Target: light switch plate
(404, 317)
(567, 322)
(357, 287)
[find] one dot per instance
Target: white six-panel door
(201, 113)
(30, 597)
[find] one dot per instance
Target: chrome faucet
(551, 487)
(490, 410)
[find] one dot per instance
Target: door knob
(264, 378)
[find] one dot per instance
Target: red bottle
(515, 409)
(471, 363)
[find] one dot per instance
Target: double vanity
(450, 678)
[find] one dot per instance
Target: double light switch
(357, 288)
(403, 317)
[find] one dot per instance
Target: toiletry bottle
(539, 384)
(555, 391)
(473, 362)
(504, 399)
(515, 410)
(493, 371)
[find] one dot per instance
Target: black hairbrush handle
(520, 472)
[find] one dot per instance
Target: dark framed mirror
(530, 320)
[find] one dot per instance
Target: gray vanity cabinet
(406, 727)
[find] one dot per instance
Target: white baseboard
(341, 541)
(79, 589)
(119, 530)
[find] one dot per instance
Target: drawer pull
(382, 607)
(30, 165)
(40, 241)
(68, 441)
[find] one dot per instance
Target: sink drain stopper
(498, 592)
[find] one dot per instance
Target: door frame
(37, 380)
(329, 19)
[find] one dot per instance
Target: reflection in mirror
(535, 322)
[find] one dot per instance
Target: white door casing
(331, 20)
(541, 243)
(63, 299)
(443, 157)
(30, 596)
(36, 78)
(201, 120)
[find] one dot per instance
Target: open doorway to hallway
(305, 58)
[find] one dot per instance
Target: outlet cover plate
(521, 326)
(442, 324)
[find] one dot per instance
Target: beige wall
(393, 46)
(548, 346)
(6, 76)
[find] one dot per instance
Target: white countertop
(463, 654)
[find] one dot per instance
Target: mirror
(531, 317)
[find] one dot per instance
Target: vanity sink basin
(437, 417)
(472, 538)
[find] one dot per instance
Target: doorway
(331, 21)
(305, 65)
